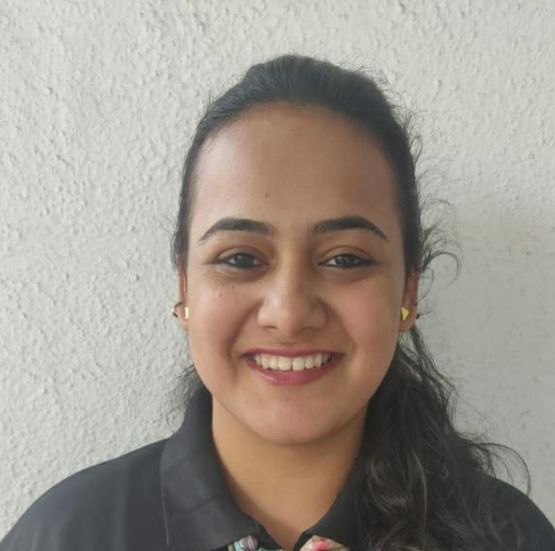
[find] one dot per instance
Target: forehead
(293, 165)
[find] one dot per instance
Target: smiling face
(312, 261)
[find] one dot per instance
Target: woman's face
(284, 277)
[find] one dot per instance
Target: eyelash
(361, 262)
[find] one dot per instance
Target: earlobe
(409, 312)
(181, 311)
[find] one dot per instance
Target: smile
(298, 363)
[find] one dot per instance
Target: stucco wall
(98, 101)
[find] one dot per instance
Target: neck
(306, 477)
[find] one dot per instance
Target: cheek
(370, 319)
(217, 314)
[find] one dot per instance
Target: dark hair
(426, 485)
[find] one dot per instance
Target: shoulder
(96, 508)
(522, 523)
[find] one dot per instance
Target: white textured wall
(98, 100)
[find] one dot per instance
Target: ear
(182, 294)
(410, 301)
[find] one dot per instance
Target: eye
(242, 261)
(349, 261)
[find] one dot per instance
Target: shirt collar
(199, 510)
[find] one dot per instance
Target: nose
(291, 302)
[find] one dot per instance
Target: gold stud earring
(176, 306)
(404, 313)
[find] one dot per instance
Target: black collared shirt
(172, 495)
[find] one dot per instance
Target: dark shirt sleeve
(46, 526)
(524, 526)
(113, 506)
(60, 519)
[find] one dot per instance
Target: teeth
(283, 363)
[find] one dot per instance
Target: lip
(281, 378)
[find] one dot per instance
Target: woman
(318, 419)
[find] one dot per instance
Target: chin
(292, 436)
(281, 430)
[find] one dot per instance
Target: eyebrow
(325, 226)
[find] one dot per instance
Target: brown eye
(349, 261)
(242, 261)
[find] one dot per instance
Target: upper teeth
(283, 363)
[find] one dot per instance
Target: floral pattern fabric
(315, 543)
